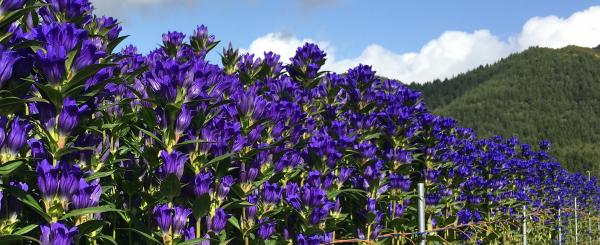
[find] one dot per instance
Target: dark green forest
(540, 93)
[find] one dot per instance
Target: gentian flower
(57, 234)
(111, 24)
(201, 40)
(266, 228)
(68, 117)
(173, 163)
(88, 54)
(219, 220)
(163, 216)
(3, 123)
(180, 219)
(307, 62)
(17, 137)
(7, 59)
(47, 178)
(87, 195)
(173, 38)
(71, 8)
(184, 119)
(202, 183)
(271, 193)
(225, 186)
(69, 180)
(52, 63)
(10, 5)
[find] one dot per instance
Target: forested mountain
(540, 93)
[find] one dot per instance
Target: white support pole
(559, 223)
(421, 206)
(524, 225)
(576, 228)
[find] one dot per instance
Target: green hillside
(540, 93)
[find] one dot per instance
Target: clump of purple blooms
(121, 147)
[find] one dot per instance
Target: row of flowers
(120, 147)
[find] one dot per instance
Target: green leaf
(170, 187)
(201, 206)
(146, 235)
(7, 239)
(114, 43)
(108, 239)
(11, 104)
(91, 210)
(27, 200)
(192, 241)
(219, 158)
(33, 44)
(234, 221)
(8, 167)
(190, 142)
(89, 226)
(49, 93)
(82, 76)
(146, 132)
(11, 17)
(99, 175)
(25, 229)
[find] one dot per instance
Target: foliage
(539, 93)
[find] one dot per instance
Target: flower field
(100, 146)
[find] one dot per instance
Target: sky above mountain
(406, 40)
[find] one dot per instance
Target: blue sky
(397, 31)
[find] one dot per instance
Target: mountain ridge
(540, 93)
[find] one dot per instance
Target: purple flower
(3, 122)
(57, 234)
(202, 183)
(52, 63)
(400, 182)
(18, 135)
(189, 233)
(266, 228)
(271, 193)
(184, 119)
(201, 40)
(88, 195)
(344, 175)
(45, 112)
(47, 178)
(173, 163)
(10, 5)
(68, 117)
(71, 8)
(314, 178)
(163, 216)
(219, 221)
(7, 59)
(307, 62)
(88, 54)
(292, 196)
(69, 180)
(225, 186)
(111, 24)
(252, 210)
(173, 43)
(180, 219)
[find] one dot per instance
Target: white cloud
(581, 28)
(284, 44)
(123, 9)
(452, 52)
